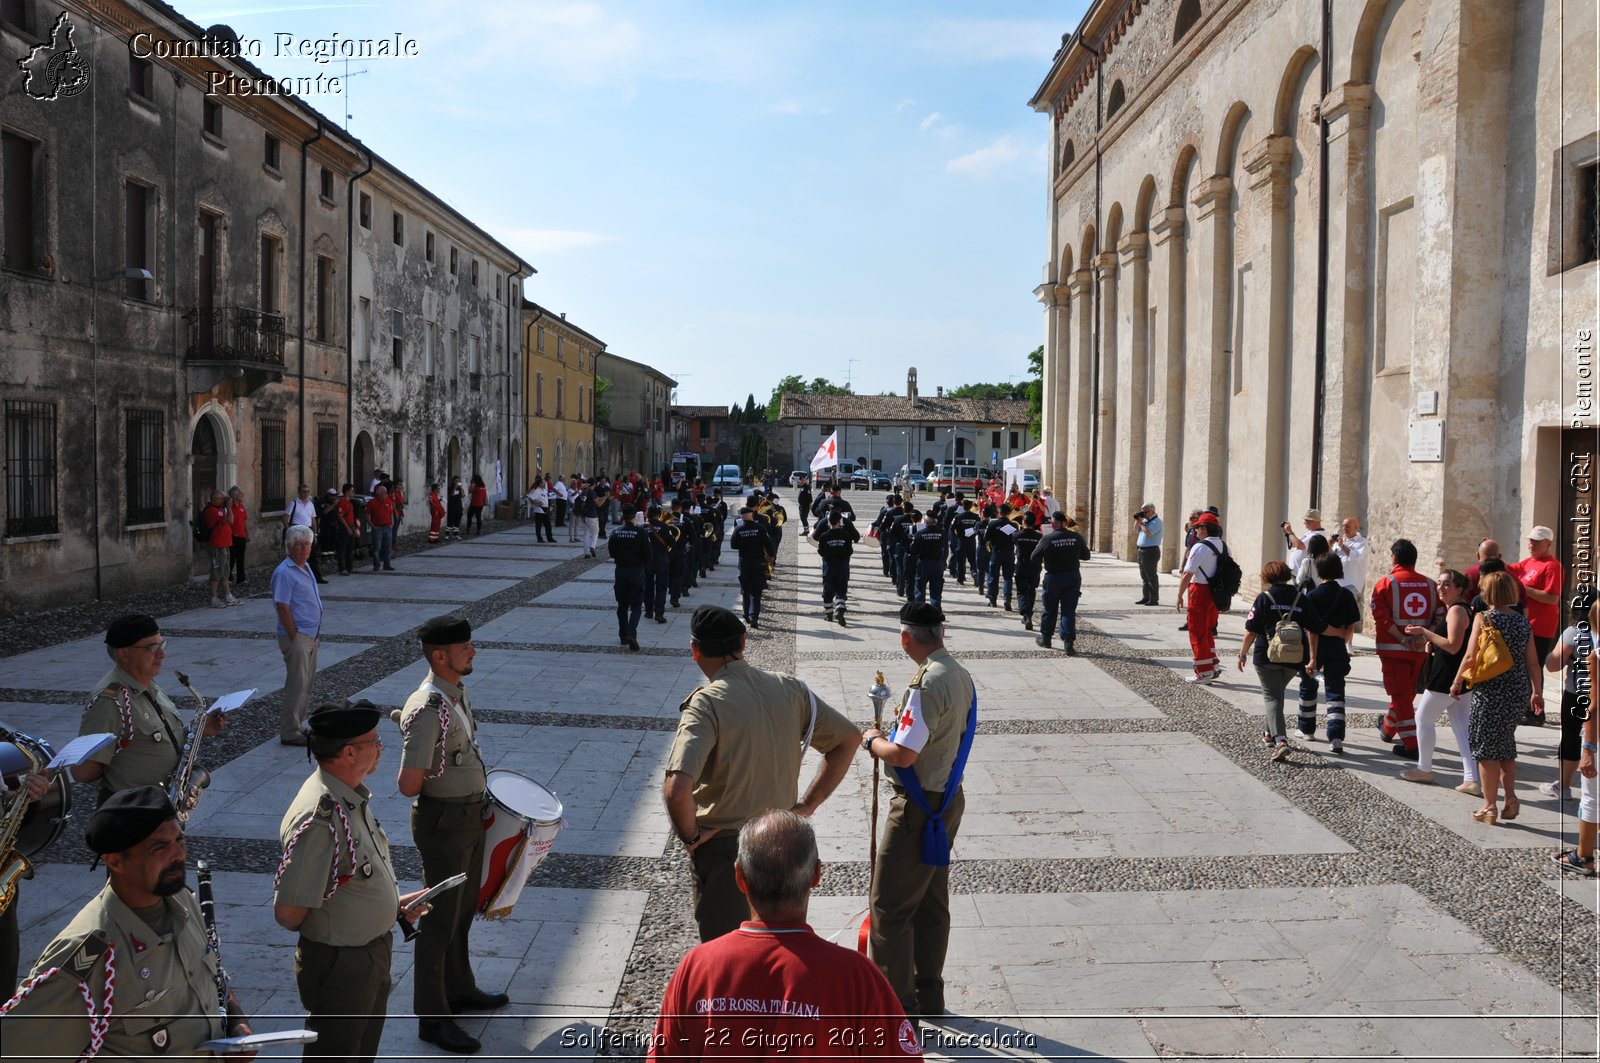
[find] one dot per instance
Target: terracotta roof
(851, 409)
(698, 412)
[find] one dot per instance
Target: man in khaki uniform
(336, 886)
(441, 766)
(129, 705)
(737, 754)
(927, 747)
(142, 933)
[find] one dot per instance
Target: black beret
(127, 818)
(127, 630)
(717, 630)
(445, 630)
(921, 614)
(343, 719)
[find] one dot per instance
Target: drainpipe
(1320, 371)
(1094, 281)
(349, 317)
(304, 155)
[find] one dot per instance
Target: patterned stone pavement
(1133, 880)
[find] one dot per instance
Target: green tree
(1035, 394)
(753, 454)
(795, 384)
(989, 391)
(753, 414)
(735, 414)
(602, 408)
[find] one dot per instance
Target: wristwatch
(866, 743)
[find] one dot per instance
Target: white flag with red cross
(828, 454)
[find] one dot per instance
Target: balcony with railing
(234, 342)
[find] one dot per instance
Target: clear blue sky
(730, 191)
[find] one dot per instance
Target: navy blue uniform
(658, 571)
(1060, 552)
(963, 541)
(1027, 573)
(749, 541)
(1000, 536)
(835, 544)
(629, 547)
(928, 549)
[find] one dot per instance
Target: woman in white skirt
(1448, 642)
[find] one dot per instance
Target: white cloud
(987, 162)
(534, 242)
(932, 120)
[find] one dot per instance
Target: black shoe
(1405, 754)
(388, 568)
(993, 604)
(1070, 649)
(674, 603)
(1152, 603)
(755, 621)
(1027, 623)
(321, 580)
(660, 619)
(1142, 601)
(1008, 605)
(478, 1000)
(633, 644)
(1183, 627)
(1043, 640)
(841, 620)
(447, 1035)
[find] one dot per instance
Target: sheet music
(79, 750)
(229, 702)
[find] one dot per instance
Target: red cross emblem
(829, 447)
(1415, 604)
(906, 719)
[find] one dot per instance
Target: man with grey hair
(299, 607)
(927, 749)
(834, 1001)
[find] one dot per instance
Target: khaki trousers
(911, 906)
(719, 905)
(449, 835)
(300, 668)
(346, 991)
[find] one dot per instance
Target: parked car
(870, 480)
(796, 477)
(1030, 481)
(918, 481)
(958, 476)
(726, 478)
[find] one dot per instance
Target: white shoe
(230, 600)
(1553, 789)
(218, 603)
(1204, 677)
(1337, 747)
(1303, 737)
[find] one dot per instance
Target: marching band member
(336, 885)
(29, 787)
(442, 767)
(130, 705)
(136, 954)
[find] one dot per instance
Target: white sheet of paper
(255, 1041)
(79, 750)
(229, 702)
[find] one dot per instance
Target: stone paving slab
(430, 564)
(215, 665)
(401, 586)
(624, 685)
(258, 616)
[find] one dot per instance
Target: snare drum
(45, 818)
(520, 825)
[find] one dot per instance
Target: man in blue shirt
(1149, 544)
(299, 605)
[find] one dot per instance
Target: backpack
(1287, 644)
(197, 529)
(1225, 584)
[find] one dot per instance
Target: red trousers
(1400, 674)
(1201, 610)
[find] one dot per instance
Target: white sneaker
(1553, 789)
(1337, 747)
(1204, 677)
(230, 600)
(218, 603)
(1303, 737)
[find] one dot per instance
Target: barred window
(327, 457)
(146, 470)
(272, 467)
(31, 468)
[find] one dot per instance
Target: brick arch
(1228, 146)
(1363, 57)
(1113, 226)
(1182, 168)
(1301, 64)
(1144, 205)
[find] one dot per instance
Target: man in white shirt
(302, 513)
(1300, 549)
(562, 498)
(1351, 547)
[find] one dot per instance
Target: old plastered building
(636, 436)
(177, 298)
(558, 389)
(1317, 253)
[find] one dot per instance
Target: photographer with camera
(1149, 546)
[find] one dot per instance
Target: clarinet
(208, 912)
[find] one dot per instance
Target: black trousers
(1149, 557)
(236, 558)
(449, 835)
(719, 905)
(628, 587)
(346, 991)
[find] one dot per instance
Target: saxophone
(13, 865)
(184, 787)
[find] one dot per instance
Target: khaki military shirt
(366, 900)
(165, 994)
(739, 738)
(148, 728)
(441, 707)
(934, 710)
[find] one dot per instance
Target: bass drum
(46, 817)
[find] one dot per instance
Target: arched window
(1115, 98)
(1188, 15)
(1068, 154)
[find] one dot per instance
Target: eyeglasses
(368, 742)
(159, 646)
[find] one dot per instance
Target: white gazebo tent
(1028, 460)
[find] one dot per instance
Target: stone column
(1105, 405)
(1133, 317)
(1205, 410)
(1348, 111)
(1076, 494)
(1266, 165)
(1055, 444)
(1168, 284)
(1046, 294)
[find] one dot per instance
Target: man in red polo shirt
(380, 514)
(1542, 578)
(1402, 597)
(216, 520)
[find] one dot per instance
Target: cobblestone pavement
(1133, 878)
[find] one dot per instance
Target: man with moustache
(137, 950)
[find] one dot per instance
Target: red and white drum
(520, 825)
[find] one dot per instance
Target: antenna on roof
(849, 375)
(348, 74)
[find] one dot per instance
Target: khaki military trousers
(911, 906)
(346, 991)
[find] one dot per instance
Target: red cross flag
(828, 454)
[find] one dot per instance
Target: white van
(726, 478)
